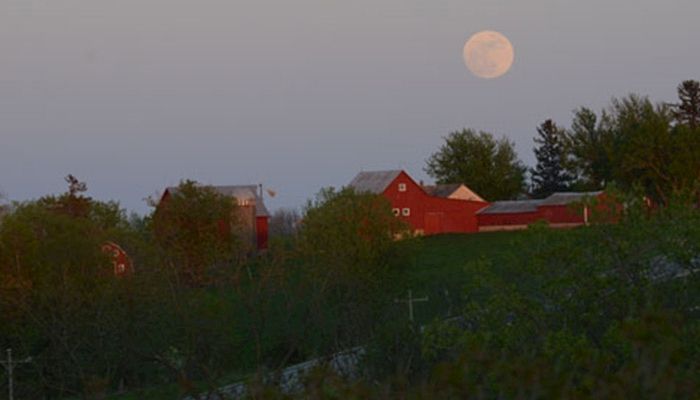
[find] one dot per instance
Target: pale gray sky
(133, 95)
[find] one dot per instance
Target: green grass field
(438, 270)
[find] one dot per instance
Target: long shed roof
(373, 181)
(524, 206)
(564, 198)
(511, 207)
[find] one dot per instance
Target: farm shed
(251, 210)
(428, 210)
(560, 210)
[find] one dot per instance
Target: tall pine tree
(687, 112)
(550, 174)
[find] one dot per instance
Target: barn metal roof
(523, 206)
(373, 181)
(443, 191)
(564, 198)
(239, 192)
(511, 207)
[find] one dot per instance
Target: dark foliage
(488, 166)
(550, 174)
(687, 111)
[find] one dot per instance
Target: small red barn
(429, 210)
(120, 260)
(560, 210)
(251, 210)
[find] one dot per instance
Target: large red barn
(429, 210)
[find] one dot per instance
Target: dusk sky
(134, 95)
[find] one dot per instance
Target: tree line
(200, 308)
(632, 144)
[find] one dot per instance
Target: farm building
(457, 191)
(560, 210)
(120, 260)
(454, 208)
(251, 210)
(428, 209)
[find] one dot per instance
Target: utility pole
(410, 300)
(10, 367)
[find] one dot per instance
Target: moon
(488, 54)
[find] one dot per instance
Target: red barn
(429, 210)
(560, 210)
(251, 210)
(120, 260)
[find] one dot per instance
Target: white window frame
(396, 211)
(406, 212)
(402, 187)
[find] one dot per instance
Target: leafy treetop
(487, 165)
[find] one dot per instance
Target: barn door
(433, 223)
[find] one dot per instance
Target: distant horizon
(134, 96)
(275, 201)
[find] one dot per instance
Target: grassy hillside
(568, 297)
(438, 269)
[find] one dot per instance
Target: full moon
(488, 54)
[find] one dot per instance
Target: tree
(635, 144)
(642, 144)
(687, 112)
(350, 233)
(348, 242)
(197, 231)
(586, 146)
(550, 174)
(488, 166)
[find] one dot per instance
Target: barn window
(396, 211)
(119, 268)
(402, 187)
(406, 212)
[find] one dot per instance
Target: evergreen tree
(687, 112)
(550, 174)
